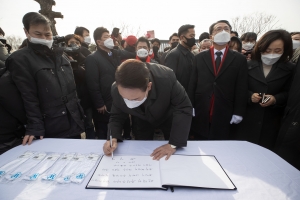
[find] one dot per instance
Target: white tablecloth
(256, 172)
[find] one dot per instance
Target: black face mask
(155, 49)
(190, 42)
(174, 44)
(3, 41)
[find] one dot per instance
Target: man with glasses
(218, 88)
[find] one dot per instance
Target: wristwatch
(173, 146)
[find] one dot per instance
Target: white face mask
(87, 40)
(142, 53)
(270, 59)
(134, 104)
(109, 43)
(296, 44)
(248, 46)
(222, 38)
(45, 42)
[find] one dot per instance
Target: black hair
(174, 34)
(211, 28)
(235, 40)
(235, 33)
(155, 40)
(70, 36)
(2, 32)
(184, 29)
(99, 32)
(264, 42)
(79, 30)
(143, 39)
(133, 74)
(204, 35)
(249, 36)
(294, 33)
(34, 18)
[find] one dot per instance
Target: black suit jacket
(167, 98)
(229, 88)
(100, 74)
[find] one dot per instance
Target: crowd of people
(223, 87)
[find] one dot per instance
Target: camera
(58, 41)
(72, 50)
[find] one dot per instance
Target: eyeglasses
(219, 29)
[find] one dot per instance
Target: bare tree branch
(258, 22)
(128, 29)
(14, 41)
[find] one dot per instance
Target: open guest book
(141, 172)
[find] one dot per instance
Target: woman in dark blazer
(269, 73)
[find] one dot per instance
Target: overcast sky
(163, 16)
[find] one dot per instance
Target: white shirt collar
(222, 50)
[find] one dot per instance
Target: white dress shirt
(222, 50)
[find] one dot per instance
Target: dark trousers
(88, 124)
(288, 142)
(194, 132)
(143, 130)
(100, 122)
(101, 130)
(74, 137)
(9, 145)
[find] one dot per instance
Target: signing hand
(255, 98)
(160, 152)
(107, 149)
(101, 110)
(272, 101)
(29, 138)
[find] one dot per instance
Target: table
(256, 172)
